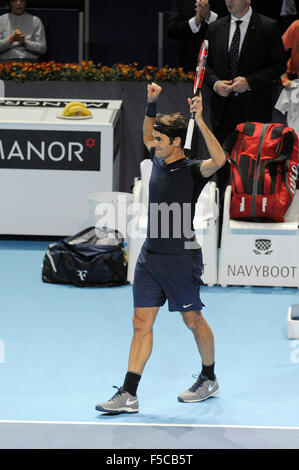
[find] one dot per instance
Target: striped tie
(234, 51)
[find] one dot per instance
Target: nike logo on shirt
(174, 169)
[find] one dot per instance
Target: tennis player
(170, 262)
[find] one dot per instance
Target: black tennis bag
(93, 257)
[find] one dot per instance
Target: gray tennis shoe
(121, 402)
(202, 389)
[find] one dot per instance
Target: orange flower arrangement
(89, 71)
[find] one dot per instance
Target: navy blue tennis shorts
(160, 276)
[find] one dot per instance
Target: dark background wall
(125, 31)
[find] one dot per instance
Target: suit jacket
(262, 60)
(178, 28)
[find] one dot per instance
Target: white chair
(259, 254)
(137, 231)
(206, 223)
(206, 226)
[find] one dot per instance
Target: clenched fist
(153, 91)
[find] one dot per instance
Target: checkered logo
(262, 246)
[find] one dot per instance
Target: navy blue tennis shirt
(173, 192)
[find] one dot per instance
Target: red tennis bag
(263, 170)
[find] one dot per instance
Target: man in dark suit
(188, 22)
(261, 61)
(241, 75)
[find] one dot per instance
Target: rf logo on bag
(262, 246)
(82, 273)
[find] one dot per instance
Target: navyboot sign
(50, 150)
(261, 271)
(263, 267)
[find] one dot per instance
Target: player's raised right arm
(153, 92)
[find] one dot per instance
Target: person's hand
(153, 92)
(203, 9)
(18, 35)
(196, 106)
(288, 84)
(223, 87)
(240, 85)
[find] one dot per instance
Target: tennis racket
(198, 79)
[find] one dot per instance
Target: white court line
(84, 423)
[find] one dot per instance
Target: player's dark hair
(172, 125)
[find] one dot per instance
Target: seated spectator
(22, 36)
(290, 41)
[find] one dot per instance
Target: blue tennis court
(62, 348)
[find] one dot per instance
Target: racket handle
(189, 134)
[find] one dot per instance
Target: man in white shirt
(22, 36)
